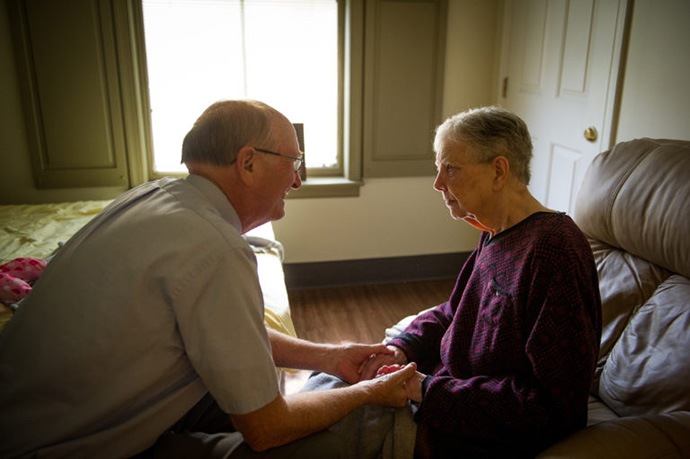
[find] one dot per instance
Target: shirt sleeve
(219, 310)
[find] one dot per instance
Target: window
(282, 52)
(381, 98)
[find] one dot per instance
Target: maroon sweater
(511, 355)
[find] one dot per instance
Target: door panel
(560, 59)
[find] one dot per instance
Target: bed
(38, 230)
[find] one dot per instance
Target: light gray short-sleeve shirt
(150, 305)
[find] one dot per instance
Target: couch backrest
(634, 206)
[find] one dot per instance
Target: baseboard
(373, 270)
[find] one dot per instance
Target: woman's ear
(501, 167)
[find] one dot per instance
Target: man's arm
(343, 361)
(286, 419)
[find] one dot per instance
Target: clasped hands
(384, 368)
(391, 361)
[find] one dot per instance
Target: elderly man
(145, 334)
(505, 365)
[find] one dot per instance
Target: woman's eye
(449, 168)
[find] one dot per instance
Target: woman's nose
(439, 183)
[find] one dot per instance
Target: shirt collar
(216, 198)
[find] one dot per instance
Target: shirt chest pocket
(496, 304)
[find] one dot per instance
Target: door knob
(591, 134)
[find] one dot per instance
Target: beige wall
(656, 88)
(404, 216)
(400, 217)
(391, 217)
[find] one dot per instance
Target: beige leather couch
(634, 206)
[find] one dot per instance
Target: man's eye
(449, 168)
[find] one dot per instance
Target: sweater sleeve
(421, 339)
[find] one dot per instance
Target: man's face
(465, 183)
(279, 177)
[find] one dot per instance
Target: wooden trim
(72, 97)
(403, 86)
(373, 270)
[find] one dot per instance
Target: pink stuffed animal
(17, 277)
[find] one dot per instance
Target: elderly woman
(505, 365)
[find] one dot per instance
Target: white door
(559, 70)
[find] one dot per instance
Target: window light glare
(282, 52)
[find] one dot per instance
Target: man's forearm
(343, 360)
(288, 418)
(290, 352)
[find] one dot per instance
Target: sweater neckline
(488, 239)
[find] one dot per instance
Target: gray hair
(490, 132)
(224, 128)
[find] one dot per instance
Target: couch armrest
(638, 437)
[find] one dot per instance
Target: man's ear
(501, 167)
(245, 163)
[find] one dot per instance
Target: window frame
(340, 181)
(363, 61)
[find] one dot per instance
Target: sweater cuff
(425, 385)
(406, 342)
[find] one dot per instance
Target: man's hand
(395, 357)
(349, 359)
(413, 386)
(390, 389)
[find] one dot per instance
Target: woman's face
(466, 184)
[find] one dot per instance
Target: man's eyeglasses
(297, 161)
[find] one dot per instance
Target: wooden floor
(361, 313)
(358, 313)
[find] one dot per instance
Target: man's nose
(298, 181)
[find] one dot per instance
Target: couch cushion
(633, 206)
(661, 436)
(626, 282)
(648, 369)
(597, 412)
(635, 197)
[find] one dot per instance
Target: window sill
(314, 187)
(327, 187)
